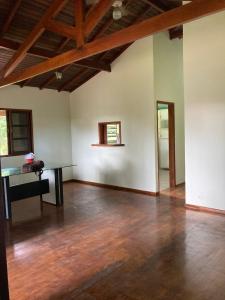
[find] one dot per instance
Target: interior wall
(127, 95)
(168, 84)
(51, 123)
(204, 75)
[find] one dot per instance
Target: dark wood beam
(96, 14)
(52, 11)
(61, 29)
(4, 287)
(79, 18)
(165, 21)
(12, 12)
(10, 45)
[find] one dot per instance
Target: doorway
(166, 145)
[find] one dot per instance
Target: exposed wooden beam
(10, 45)
(79, 18)
(12, 12)
(61, 29)
(165, 21)
(52, 11)
(96, 14)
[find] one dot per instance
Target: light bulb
(117, 13)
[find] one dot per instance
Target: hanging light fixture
(58, 75)
(117, 9)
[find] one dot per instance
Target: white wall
(204, 82)
(168, 83)
(51, 123)
(127, 95)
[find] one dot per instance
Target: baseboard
(68, 181)
(180, 184)
(205, 209)
(118, 188)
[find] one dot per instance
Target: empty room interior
(112, 151)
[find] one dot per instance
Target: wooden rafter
(79, 18)
(12, 12)
(52, 11)
(165, 21)
(10, 45)
(61, 29)
(96, 14)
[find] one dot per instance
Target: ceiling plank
(154, 5)
(70, 81)
(96, 14)
(52, 11)
(10, 45)
(53, 77)
(12, 12)
(165, 21)
(79, 18)
(61, 29)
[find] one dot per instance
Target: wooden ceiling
(40, 37)
(19, 17)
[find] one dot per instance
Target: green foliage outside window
(3, 135)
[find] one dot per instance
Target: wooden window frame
(102, 133)
(9, 131)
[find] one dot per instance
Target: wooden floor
(112, 245)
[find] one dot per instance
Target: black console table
(51, 179)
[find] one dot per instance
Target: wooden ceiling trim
(12, 13)
(79, 19)
(17, 58)
(61, 29)
(167, 20)
(96, 14)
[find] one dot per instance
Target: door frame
(172, 156)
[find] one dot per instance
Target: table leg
(6, 196)
(58, 187)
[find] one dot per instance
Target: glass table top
(19, 170)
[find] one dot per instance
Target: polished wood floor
(112, 245)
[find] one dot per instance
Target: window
(15, 132)
(109, 134)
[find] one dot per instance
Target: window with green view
(3, 133)
(15, 132)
